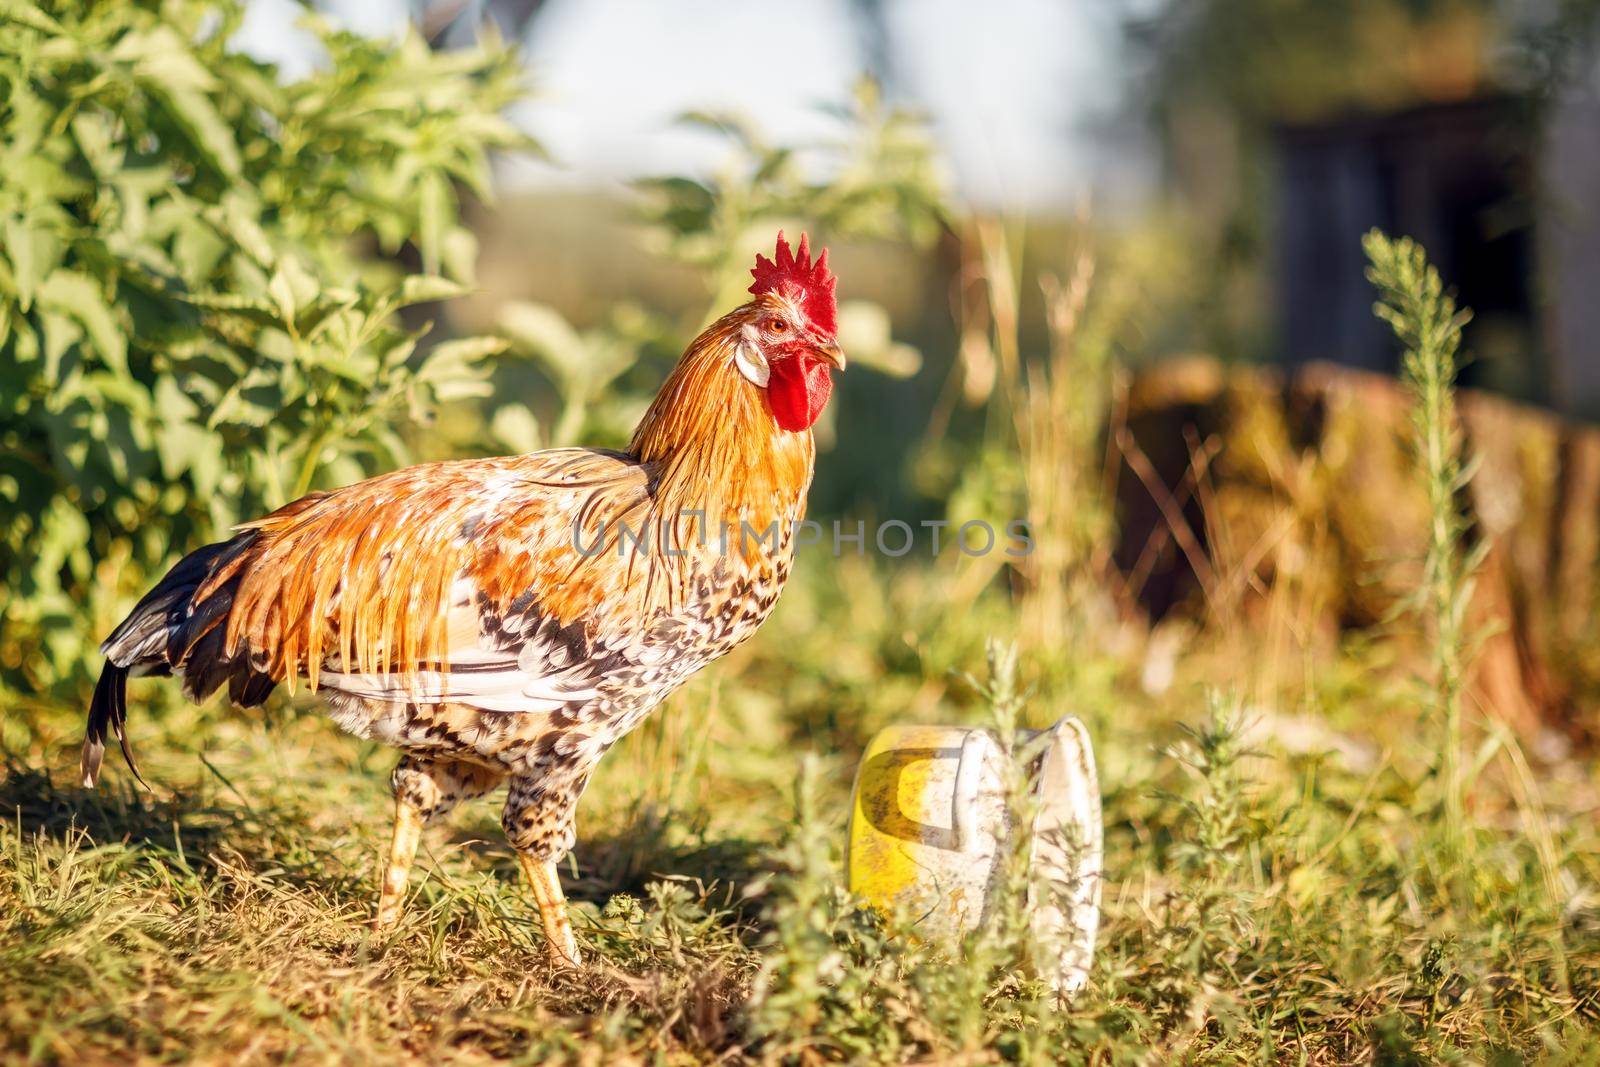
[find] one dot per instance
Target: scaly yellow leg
(552, 903)
(402, 850)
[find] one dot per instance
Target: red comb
(800, 279)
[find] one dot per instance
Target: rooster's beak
(830, 352)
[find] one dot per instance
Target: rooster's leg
(424, 789)
(408, 820)
(546, 885)
(538, 821)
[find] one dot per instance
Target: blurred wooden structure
(1458, 178)
(1240, 485)
(1569, 232)
(1503, 198)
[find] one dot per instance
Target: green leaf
(60, 332)
(31, 16)
(255, 404)
(237, 218)
(461, 353)
(459, 257)
(161, 55)
(34, 253)
(79, 296)
(544, 333)
(357, 368)
(97, 141)
(434, 214)
(292, 288)
(249, 308)
(427, 288)
(516, 428)
(453, 368)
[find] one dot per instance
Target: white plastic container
(929, 819)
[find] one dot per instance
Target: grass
(1424, 318)
(1267, 899)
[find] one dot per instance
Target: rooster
(508, 620)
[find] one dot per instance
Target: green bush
(200, 274)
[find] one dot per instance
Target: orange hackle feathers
(718, 449)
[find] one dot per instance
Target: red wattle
(798, 389)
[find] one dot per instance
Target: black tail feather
(206, 665)
(169, 632)
(109, 708)
(250, 689)
(163, 625)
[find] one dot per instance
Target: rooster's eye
(777, 326)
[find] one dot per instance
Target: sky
(1018, 92)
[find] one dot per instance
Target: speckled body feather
(503, 619)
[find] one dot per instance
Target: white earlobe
(751, 363)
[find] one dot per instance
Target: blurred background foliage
(201, 279)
